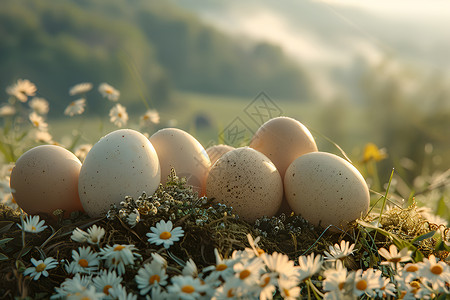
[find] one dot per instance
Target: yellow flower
(371, 152)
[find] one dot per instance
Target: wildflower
(93, 235)
(289, 290)
(268, 285)
(109, 92)
(434, 272)
(223, 267)
(150, 276)
(118, 115)
(75, 107)
(164, 234)
(80, 88)
(38, 121)
(72, 286)
(335, 279)
(366, 282)
(190, 269)
(309, 265)
(133, 218)
(229, 290)
(82, 150)
(33, 225)
(84, 261)
(106, 280)
(387, 288)
(42, 136)
(7, 110)
(371, 152)
(159, 260)
(79, 235)
(186, 287)
(248, 272)
(88, 293)
(118, 256)
(393, 256)
(40, 267)
(120, 293)
(339, 252)
(39, 105)
(280, 264)
(254, 244)
(150, 117)
(22, 89)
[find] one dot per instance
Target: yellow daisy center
(165, 235)
(86, 298)
(188, 289)
(286, 292)
(260, 251)
(437, 269)
(265, 282)
(40, 267)
(36, 123)
(412, 268)
(119, 248)
(230, 293)
(33, 228)
(341, 285)
(106, 289)
(361, 285)
(119, 115)
(83, 262)
(94, 239)
(154, 278)
(244, 274)
(221, 267)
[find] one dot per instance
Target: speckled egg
(45, 178)
(325, 189)
(179, 150)
(216, 151)
(248, 181)
(122, 163)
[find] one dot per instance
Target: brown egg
(45, 178)
(248, 181)
(216, 151)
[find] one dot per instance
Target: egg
(45, 178)
(325, 189)
(248, 181)
(179, 150)
(216, 151)
(122, 163)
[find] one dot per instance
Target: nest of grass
(207, 225)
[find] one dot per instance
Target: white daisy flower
(289, 290)
(190, 269)
(71, 286)
(38, 121)
(7, 110)
(109, 92)
(106, 280)
(309, 266)
(150, 117)
(164, 234)
(82, 150)
(22, 89)
(75, 107)
(249, 272)
(39, 105)
(41, 136)
(80, 88)
(120, 293)
(280, 264)
(85, 260)
(186, 287)
(254, 244)
(366, 282)
(336, 278)
(118, 256)
(150, 276)
(388, 288)
(40, 267)
(79, 235)
(157, 293)
(89, 293)
(133, 218)
(93, 235)
(223, 267)
(268, 285)
(229, 290)
(339, 252)
(437, 273)
(393, 256)
(33, 225)
(159, 260)
(118, 115)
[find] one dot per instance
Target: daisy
(254, 244)
(434, 272)
(118, 256)
(106, 280)
(118, 115)
(289, 290)
(309, 266)
(22, 89)
(80, 88)
(248, 272)
(133, 218)
(150, 276)
(280, 264)
(38, 121)
(40, 267)
(186, 287)
(41, 136)
(190, 269)
(39, 105)
(393, 256)
(339, 252)
(85, 260)
(223, 267)
(109, 92)
(88, 293)
(7, 110)
(268, 285)
(388, 288)
(164, 234)
(335, 279)
(82, 150)
(75, 107)
(366, 282)
(95, 234)
(159, 260)
(33, 225)
(229, 290)
(71, 286)
(150, 117)
(79, 235)
(120, 293)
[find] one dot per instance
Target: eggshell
(216, 151)
(179, 150)
(325, 189)
(45, 178)
(248, 181)
(122, 163)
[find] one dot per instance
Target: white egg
(122, 163)
(325, 189)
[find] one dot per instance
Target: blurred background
(352, 71)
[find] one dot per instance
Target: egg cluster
(280, 171)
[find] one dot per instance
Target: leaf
(424, 236)
(3, 257)
(5, 226)
(442, 246)
(5, 240)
